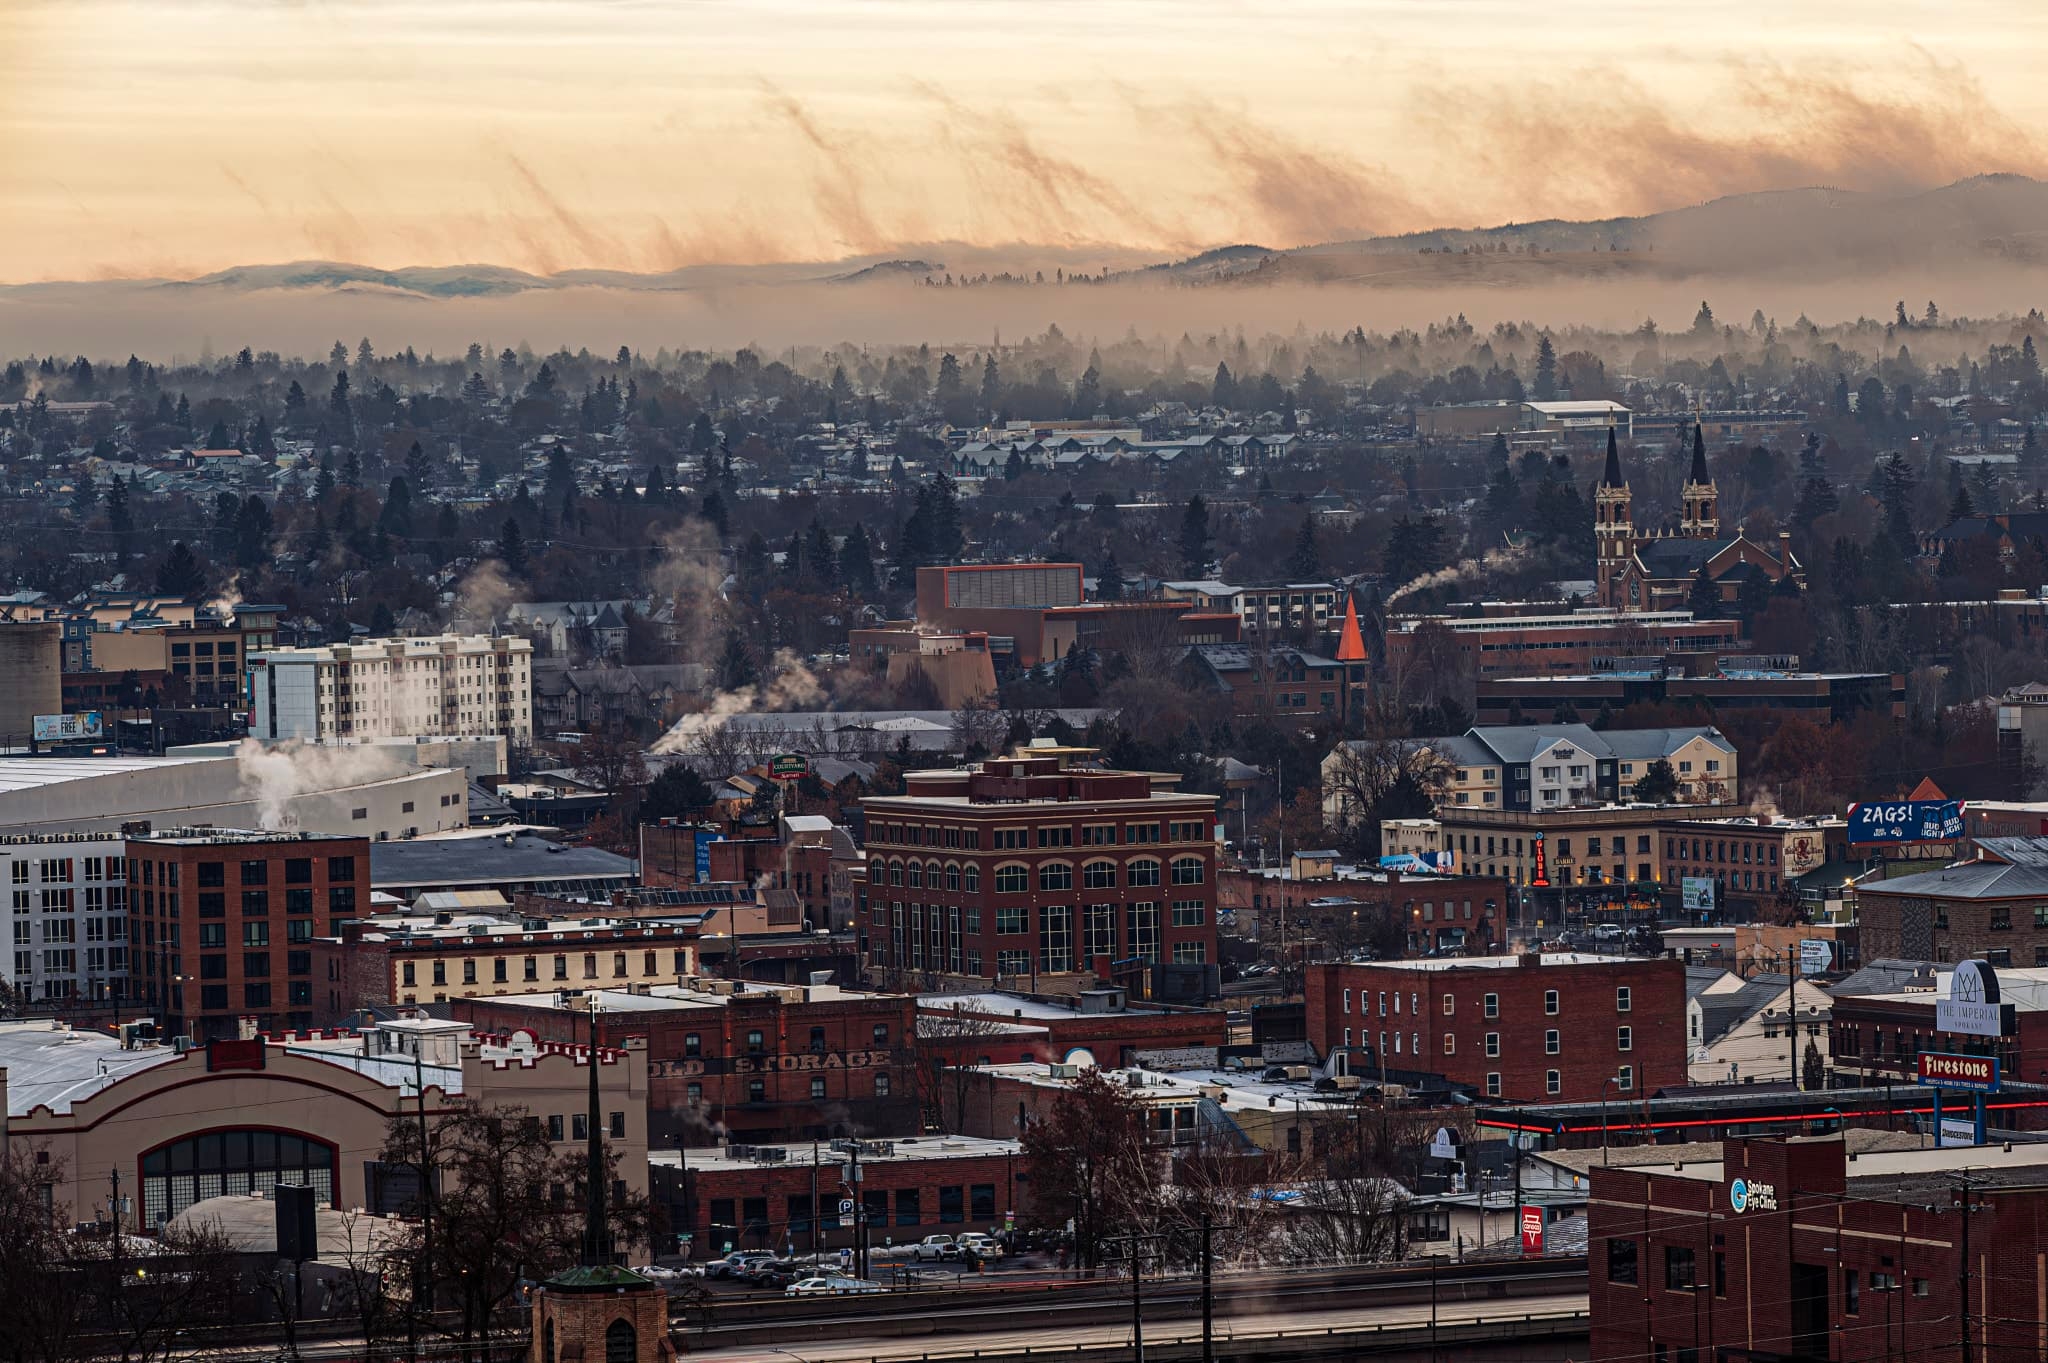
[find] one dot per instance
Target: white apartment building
(446, 684)
(67, 915)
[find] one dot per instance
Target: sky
(144, 138)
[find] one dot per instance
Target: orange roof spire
(1351, 643)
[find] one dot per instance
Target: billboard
(67, 728)
(789, 767)
(1903, 821)
(1532, 1232)
(1973, 1006)
(1422, 863)
(1696, 894)
(1803, 852)
(1816, 956)
(1978, 1073)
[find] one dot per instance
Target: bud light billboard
(1904, 821)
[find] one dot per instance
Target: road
(1014, 1340)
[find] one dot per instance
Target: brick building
(221, 923)
(1339, 912)
(1876, 1038)
(1034, 865)
(418, 959)
(1730, 685)
(1783, 1249)
(1551, 644)
(787, 1196)
(1555, 1026)
(1994, 908)
(750, 1062)
(968, 1029)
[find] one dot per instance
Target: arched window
(973, 882)
(1099, 875)
(547, 1342)
(952, 875)
(1144, 871)
(219, 1163)
(895, 873)
(916, 880)
(1056, 875)
(1014, 878)
(1187, 871)
(621, 1342)
(931, 874)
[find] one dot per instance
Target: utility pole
(422, 1277)
(1969, 1204)
(1134, 1246)
(1208, 1298)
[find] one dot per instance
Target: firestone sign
(1978, 1072)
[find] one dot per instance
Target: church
(1657, 571)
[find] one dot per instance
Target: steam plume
(791, 686)
(274, 775)
(1492, 561)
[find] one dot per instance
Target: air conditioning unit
(740, 1151)
(772, 1154)
(1346, 1081)
(181, 1044)
(1298, 1071)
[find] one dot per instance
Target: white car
(984, 1246)
(830, 1287)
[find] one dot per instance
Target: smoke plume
(791, 686)
(484, 593)
(690, 576)
(273, 775)
(1465, 570)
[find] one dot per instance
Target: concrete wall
(31, 678)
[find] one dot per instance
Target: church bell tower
(1613, 527)
(1702, 517)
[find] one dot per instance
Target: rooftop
(517, 858)
(33, 773)
(1547, 958)
(897, 1151)
(50, 1064)
(695, 992)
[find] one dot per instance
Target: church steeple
(1701, 499)
(1613, 527)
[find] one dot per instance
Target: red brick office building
(762, 1197)
(1784, 1249)
(971, 1029)
(221, 924)
(1554, 1027)
(747, 1061)
(1030, 865)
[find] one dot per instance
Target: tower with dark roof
(1614, 528)
(1701, 519)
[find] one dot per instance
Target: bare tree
(950, 1042)
(1361, 776)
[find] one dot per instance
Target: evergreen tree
(180, 574)
(1196, 546)
(1546, 370)
(419, 469)
(512, 547)
(261, 443)
(397, 517)
(1816, 499)
(856, 562)
(323, 481)
(1013, 467)
(736, 669)
(184, 414)
(1414, 548)
(252, 533)
(712, 509)
(1109, 578)
(218, 438)
(1306, 564)
(1706, 597)
(991, 386)
(1087, 393)
(1223, 389)
(1960, 507)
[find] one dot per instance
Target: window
(1012, 879)
(906, 1207)
(1493, 1085)
(1190, 953)
(1187, 870)
(1189, 913)
(1551, 1043)
(1142, 930)
(1625, 1078)
(1550, 1003)
(1621, 1261)
(1622, 1001)
(881, 1086)
(1057, 875)
(255, 934)
(952, 1205)
(1450, 1044)
(1450, 1005)
(1492, 1045)
(1011, 922)
(1624, 1038)
(1099, 875)
(1490, 1005)
(255, 873)
(756, 1042)
(817, 1088)
(1678, 1268)
(757, 1091)
(1144, 871)
(1553, 1083)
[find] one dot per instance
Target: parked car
(981, 1244)
(833, 1286)
(937, 1247)
(735, 1264)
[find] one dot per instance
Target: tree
(611, 760)
(736, 668)
(1813, 1071)
(1196, 547)
(1546, 370)
(1414, 548)
(991, 386)
(509, 1210)
(180, 574)
(856, 569)
(397, 515)
(1306, 564)
(948, 1044)
(1659, 784)
(1091, 1163)
(677, 793)
(419, 469)
(1705, 599)
(512, 547)
(1109, 578)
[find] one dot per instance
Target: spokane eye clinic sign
(1745, 1195)
(1973, 1006)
